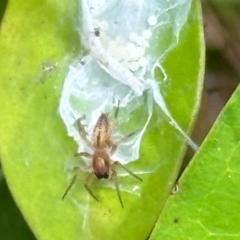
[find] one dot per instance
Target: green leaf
(206, 206)
(38, 42)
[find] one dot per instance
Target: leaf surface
(38, 42)
(206, 206)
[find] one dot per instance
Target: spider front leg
(112, 124)
(82, 132)
(115, 145)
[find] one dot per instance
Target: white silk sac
(123, 49)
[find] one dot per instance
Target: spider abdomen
(101, 163)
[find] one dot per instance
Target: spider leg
(115, 145)
(87, 187)
(127, 170)
(83, 132)
(85, 154)
(82, 154)
(112, 124)
(70, 186)
(115, 181)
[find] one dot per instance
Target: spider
(103, 148)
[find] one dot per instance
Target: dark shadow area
(222, 72)
(12, 223)
(3, 6)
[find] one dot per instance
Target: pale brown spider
(103, 148)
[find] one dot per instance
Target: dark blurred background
(222, 35)
(221, 19)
